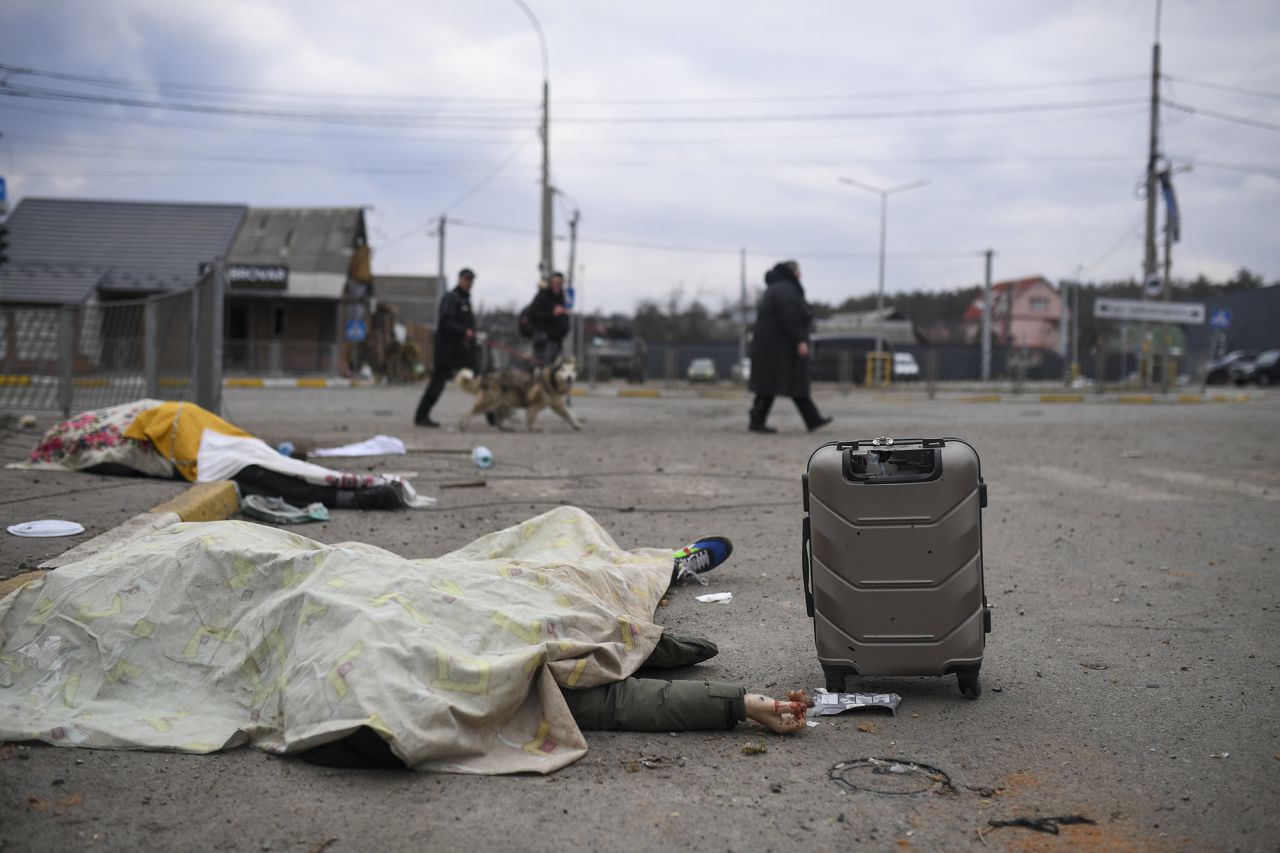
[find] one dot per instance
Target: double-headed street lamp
(546, 264)
(884, 193)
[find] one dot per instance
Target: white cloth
(222, 456)
(379, 445)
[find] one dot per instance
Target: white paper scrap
(724, 597)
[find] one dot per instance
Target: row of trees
(937, 315)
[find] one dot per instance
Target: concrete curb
(1076, 397)
(286, 382)
(201, 502)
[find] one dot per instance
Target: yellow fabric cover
(174, 429)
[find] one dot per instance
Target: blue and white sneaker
(701, 555)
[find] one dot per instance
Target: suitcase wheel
(836, 678)
(969, 684)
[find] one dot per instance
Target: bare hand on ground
(776, 715)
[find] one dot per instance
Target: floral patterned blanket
(98, 436)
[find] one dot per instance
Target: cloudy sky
(682, 131)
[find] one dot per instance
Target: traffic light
(4, 244)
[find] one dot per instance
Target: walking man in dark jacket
(454, 345)
(550, 318)
(780, 349)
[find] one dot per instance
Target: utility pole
(1149, 269)
(986, 318)
(440, 255)
(742, 304)
(1075, 329)
(547, 265)
(572, 292)
(1166, 379)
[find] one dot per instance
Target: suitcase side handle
(805, 569)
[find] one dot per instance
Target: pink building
(1024, 313)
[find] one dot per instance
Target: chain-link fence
(281, 357)
(101, 353)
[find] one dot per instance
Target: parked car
(1263, 370)
(1218, 371)
(905, 367)
(610, 358)
(741, 371)
(701, 370)
(839, 357)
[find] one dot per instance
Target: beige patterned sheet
(207, 636)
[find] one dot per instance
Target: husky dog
(502, 392)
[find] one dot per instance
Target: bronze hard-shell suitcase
(892, 559)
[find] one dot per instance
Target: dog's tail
(468, 381)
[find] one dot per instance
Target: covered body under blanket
(157, 438)
(205, 636)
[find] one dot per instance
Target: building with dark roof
(298, 279)
(298, 290)
(64, 251)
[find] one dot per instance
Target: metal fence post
(66, 357)
(669, 366)
(151, 347)
(931, 373)
(207, 329)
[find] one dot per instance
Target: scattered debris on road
(837, 703)
(1043, 824)
(46, 528)
(277, 511)
(893, 776)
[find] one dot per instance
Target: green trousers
(636, 705)
(659, 705)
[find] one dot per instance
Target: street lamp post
(546, 263)
(884, 193)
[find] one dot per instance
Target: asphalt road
(1131, 676)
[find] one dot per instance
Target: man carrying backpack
(548, 317)
(454, 344)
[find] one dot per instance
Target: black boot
(759, 413)
(813, 419)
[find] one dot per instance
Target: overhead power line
(201, 89)
(275, 114)
(763, 118)
(1250, 168)
(855, 96)
(717, 250)
(523, 118)
(204, 89)
(1245, 120)
(1223, 87)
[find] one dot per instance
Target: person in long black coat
(454, 344)
(780, 349)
